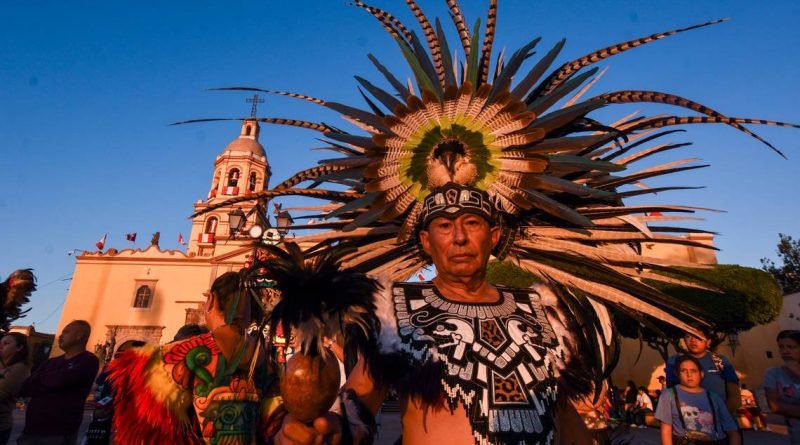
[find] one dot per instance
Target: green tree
(788, 273)
(744, 297)
(508, 274)
(747, 297)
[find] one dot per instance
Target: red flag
(102, 242)
(180, 239)
(421, 276)
(131, 237)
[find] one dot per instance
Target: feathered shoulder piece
(15, 291)
(520, 129)
(319, 298)
(150, 406)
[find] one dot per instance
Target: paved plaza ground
(390, 430)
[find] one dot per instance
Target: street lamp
(236, 220)
(733, 341)
(284, 221)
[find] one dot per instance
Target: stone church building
(148, 294)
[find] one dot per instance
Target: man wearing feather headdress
(484, 157)
(474, 362)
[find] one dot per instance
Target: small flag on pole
(131, 237)
(102, 242)
(180, 239)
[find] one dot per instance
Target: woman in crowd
(691, 415)
(13, 372)
(782, 383)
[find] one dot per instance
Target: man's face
(71, 335)
(696, 345)
(459, 247)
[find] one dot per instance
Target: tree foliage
(746, 297)
(505, 273)
(788, 273)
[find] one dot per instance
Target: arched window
(251, 184)
(233, 177)
(211, 225)
(144, 295)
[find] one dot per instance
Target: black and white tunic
(499, 360)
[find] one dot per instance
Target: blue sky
(87, 90)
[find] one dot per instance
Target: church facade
(148, 294)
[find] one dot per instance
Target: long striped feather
(461, 25)
(666, 121)
(309, 174)
(279, 93)
(323, 128)
(392, 25)
(432, 39)
(633, 96)
(569, 68)
(488, 41)
(330, 195)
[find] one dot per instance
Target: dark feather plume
(320, 299)
(15, 291)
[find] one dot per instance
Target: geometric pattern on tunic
(499, 359)
(507, 389)
(491, 333)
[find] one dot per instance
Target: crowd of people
(700, 399)
(55, 393)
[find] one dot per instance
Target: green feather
(424, 82)
(472, 64)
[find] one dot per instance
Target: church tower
(241, 169)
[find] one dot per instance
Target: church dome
(247, 142)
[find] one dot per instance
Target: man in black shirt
(58, 390)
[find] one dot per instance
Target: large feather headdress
(559, 176)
